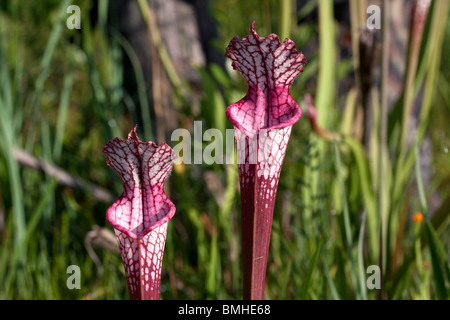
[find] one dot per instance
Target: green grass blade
(362, 274)
(14, 178)
(440, 263)
(439, 258)
(309, 274)
(140, 81)
(327, 64)
(367, 194)
(211, 281)
(286, 276)
(285, 19)
(45, 65)
(347, 224)
(33, 222)
(333, 289)
(420, 188)
(62, 115)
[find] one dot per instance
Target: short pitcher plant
(262, 122)
(140, 216)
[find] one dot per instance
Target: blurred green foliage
(62, 96)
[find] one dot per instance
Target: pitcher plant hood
(269, 67)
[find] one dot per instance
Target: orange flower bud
(418, 217)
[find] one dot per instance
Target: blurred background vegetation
(373, 191)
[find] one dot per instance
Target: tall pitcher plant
(262, 121)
